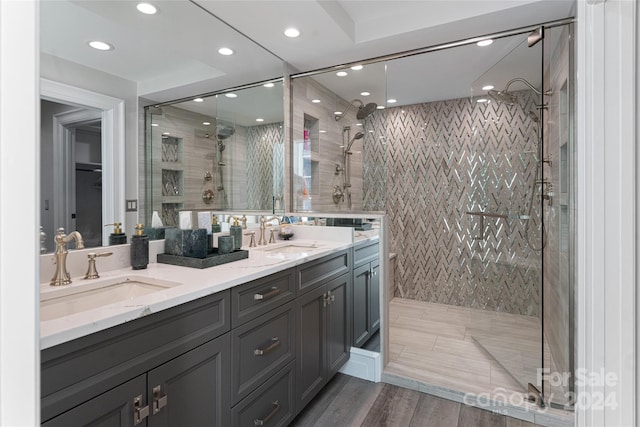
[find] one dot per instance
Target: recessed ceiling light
(198, 100)
(341, 73)
(225, 51)
(206, 123)
(484, 42)
(392, 100)
(481, 100)
(259, 120)
(154, 124)
(230, 95)
(97, 44)
(268, 85)
(337, 113)
(380, 107)
(316, 101)
(365, 93)
(147, 8)
(292, 32)
(487, 87)
(357, 67)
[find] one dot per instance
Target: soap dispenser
(117, 237)
(236, 231)
(139, 249)
(215, 227)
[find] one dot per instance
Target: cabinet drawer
(260, 348)
(318, 272)
(76, 371)
(365, 253)
(270, 405)
(256, 298)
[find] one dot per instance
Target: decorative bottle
(139, 249)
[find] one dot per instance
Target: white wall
(606, 278)
(19, 240)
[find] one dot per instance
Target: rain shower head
(363, 110)
(508, 98)
(224, 132)
(502, 96)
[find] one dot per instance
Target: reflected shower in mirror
(220, 152)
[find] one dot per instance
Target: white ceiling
(173, 54)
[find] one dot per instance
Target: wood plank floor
(349, 401)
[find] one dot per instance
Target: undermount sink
(290, 249)
(72, 299)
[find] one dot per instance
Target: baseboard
(364, 364)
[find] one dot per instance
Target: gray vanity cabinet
(110, 409)
(366, 293)
(323, 337)
(184, 350)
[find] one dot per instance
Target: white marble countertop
(190, 283)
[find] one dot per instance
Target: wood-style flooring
(349, 401)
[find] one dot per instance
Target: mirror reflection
(160, 66)
(221, 152)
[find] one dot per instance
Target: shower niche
(306, 165)
(172, 179)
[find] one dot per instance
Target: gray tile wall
(429, 164)
(558, 216)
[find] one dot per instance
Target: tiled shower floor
(465, 350)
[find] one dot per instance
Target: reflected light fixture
(146, 8)
(483, 43)
(206, 123)
(392, 100)
(154, 124)
(380, 107)
(225, 51)
(259, 119)
(292, 32)
(365, 93)
(268, 85)
(97, 44)
(357, 67)
(481, 100)
(487, 87)
(230, 95)
(316, 101)
(198, 100)
(341, 73)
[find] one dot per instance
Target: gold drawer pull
(267, 295)
(275, 342)
(274, 411)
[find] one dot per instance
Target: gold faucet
(262, 241)
(62, 277)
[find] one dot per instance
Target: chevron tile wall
(263, 142)
(428, 165)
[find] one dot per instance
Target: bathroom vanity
(248, 343)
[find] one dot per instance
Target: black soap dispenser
(139, 249)
(117, 237)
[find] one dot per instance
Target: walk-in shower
(476, 187)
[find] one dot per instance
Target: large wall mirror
(220, 152)
(172, 54)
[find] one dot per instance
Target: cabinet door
(338, 324)
(361, 305)
(311, 346)
(192, 389)
(111, 409)
(374, 298)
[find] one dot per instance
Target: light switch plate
(132, 205)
